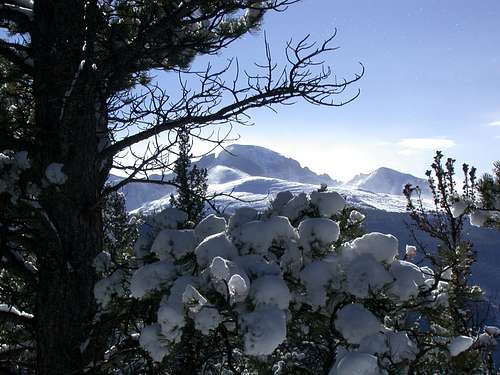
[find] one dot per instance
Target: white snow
(295, 207)
(355, 323)
(151, 277)
(113, 285)
(238, 288)
(356, 216)
(409, 278)
(209, 226)
(171, 320)
(356, 363)
(401, 347)
(318, 232)
(242, 216)
(270, 291)
(364, 275)
(265, 329)
(281, 199)
(410, 251)
(316, 277)
(170, 218)
(102, 261)
(383, 247)
(492, 330)
(22, 160)
(212, 246)
(458, 208)
(171, 244)
(460, 344)
(479, 217)
(207, 319)
(374, 344)
(193, 299)
(55, 175)
(219, 269)
(220, 174)
(13, 310)
(259, 235)
(329, 203)
(149, 341)
(256, 266)
(387, 181)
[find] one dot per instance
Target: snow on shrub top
(328, 203)
(173, 244)
(355, 363)
(460, 344)
(150, 277)
(383, 247)
(215, 245)
(355, 322)
(210, 225)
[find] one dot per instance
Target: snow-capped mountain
(254, 174)
(235, 164)
(260, 161)
(387, 181)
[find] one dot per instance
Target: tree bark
(69, 112)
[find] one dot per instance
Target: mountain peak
(260, 161)
(387, 181)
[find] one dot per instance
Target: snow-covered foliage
(460, 344)
(12, 165)
(55, 174)
(275, 288)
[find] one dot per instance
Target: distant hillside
(136, 194)
(387, 181)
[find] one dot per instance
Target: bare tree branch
(219, 103)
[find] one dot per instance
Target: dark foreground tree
(191, 182)
(76, 94)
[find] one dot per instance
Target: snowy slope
(221, 174)
(258, 191)
(137, 194)
(387, 181)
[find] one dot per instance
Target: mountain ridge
(386, 180)
(260, 161)
(254, 170)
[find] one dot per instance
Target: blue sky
(432, 82)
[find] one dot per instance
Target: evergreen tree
(452, 260)
(120, 229)
(489, 190)
(190, 180)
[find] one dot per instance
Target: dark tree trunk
(69, 113)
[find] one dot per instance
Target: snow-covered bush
(291, 291)
(12, 166)
(465, 308)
